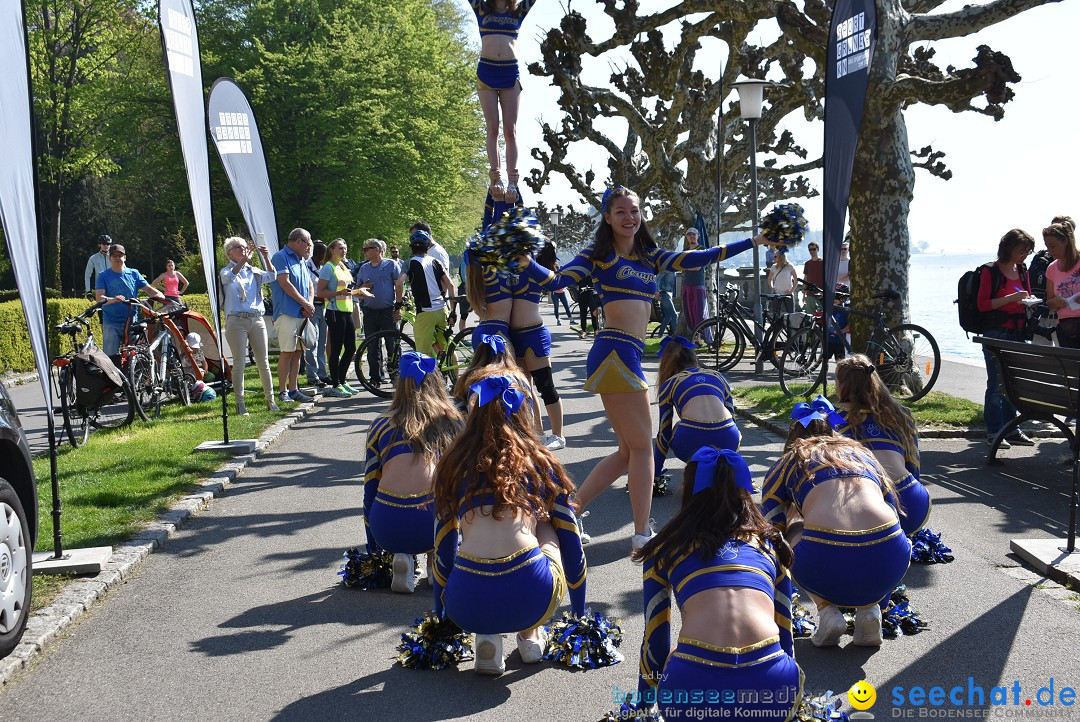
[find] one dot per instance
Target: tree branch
(971, 19)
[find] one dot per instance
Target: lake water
(932, 291)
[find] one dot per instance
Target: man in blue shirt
(114, 286)
(293, 294)
(385, 280)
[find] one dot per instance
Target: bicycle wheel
(115, 409)
(720, 343)
(908, 361)
(76, 423)
(457, 357)
(388, 347)
(804, 363)
(176, 380)
(147, 396)
(775, 341)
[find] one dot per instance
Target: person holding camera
(336, 286)
(1002, 286)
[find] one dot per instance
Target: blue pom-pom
(434, 643)
(899, 618)
(802, 622)
(367, 570)
(820, 707)
(785, 224)
(661, 484)
(926, 548)
(584, 642)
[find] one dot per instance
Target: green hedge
(15, 353)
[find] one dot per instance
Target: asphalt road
(240, 616)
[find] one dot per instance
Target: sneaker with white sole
(1003, 445)
(404, 581)
(639, 540)
(585, 536)
(489, 655)
(868, 626)
(300, 396)
(554, 442)
(831, 626)
(532, 650)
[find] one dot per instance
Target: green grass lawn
(120, 480)
(934, 411)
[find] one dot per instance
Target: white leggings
(239, 332)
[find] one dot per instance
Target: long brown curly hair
(426, 415)
(676, 358)
(859, 386)
(500, 455)
(709, 518)
(474, 288)
(817, 443)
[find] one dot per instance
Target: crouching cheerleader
(728, 568)
(506, 500)
(852, 551)
(871, 416)
(402, 447)
(701, 398)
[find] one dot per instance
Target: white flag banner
(18, 207)
(178, 33)
(236, 137)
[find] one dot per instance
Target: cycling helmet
(420, 240)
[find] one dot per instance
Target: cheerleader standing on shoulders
(403, 445)
(701, 398)
(851, 551)
(879, 422)
(532, 345)
(624, 261)
(728, 568)
(507, 544)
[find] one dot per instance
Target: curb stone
(79, 597)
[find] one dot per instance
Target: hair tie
(495, 342)
(416, 366)
(682, 341)
(823, 406)
(869, 369)
(607, 195)
(498, 387)
(707, 458)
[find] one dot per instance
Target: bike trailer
(96, 378)
(199, 325)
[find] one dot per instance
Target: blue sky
(1018, 172)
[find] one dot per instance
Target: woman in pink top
(1063, 279)
(1002, 285)
(172, 282)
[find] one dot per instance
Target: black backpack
(972, 319)
(1037, 272)
(96, 377)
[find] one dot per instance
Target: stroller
(213, 362)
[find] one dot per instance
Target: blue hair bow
(416, 366)
(495, 342)
(708, 456)
(682, 341)
(499, 387)
(607, 195)
(823, 406)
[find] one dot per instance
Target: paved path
(239, 616)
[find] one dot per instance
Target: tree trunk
(53, 264)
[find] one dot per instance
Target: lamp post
(555, 215)
(751, 94)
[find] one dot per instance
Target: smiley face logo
(862, 695)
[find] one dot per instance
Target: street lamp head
(751, 94)
(555, 216)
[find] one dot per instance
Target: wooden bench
(1043, 383)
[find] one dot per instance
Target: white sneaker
(553, 442)
(489, 655)
(639, 540)
(831, 626)
(532, 650)
(585, 536)
(404, 581)
(868, 626)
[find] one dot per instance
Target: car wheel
(15, 569)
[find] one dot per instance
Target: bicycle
(906, 356)
(154, 368)
(113, 410)
(721, 340)
(456, 354)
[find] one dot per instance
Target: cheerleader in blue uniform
(403, 445)
(493, 351)
(624, 261)
(532, 345)
(852, 551)
(879, 422)
(507, 544)
(701, 398)
(490, 296)
(498, 84)
(728, 568)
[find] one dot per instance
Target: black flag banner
(18, 205)
(181, 41)
(852, 37)
(236, 137)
